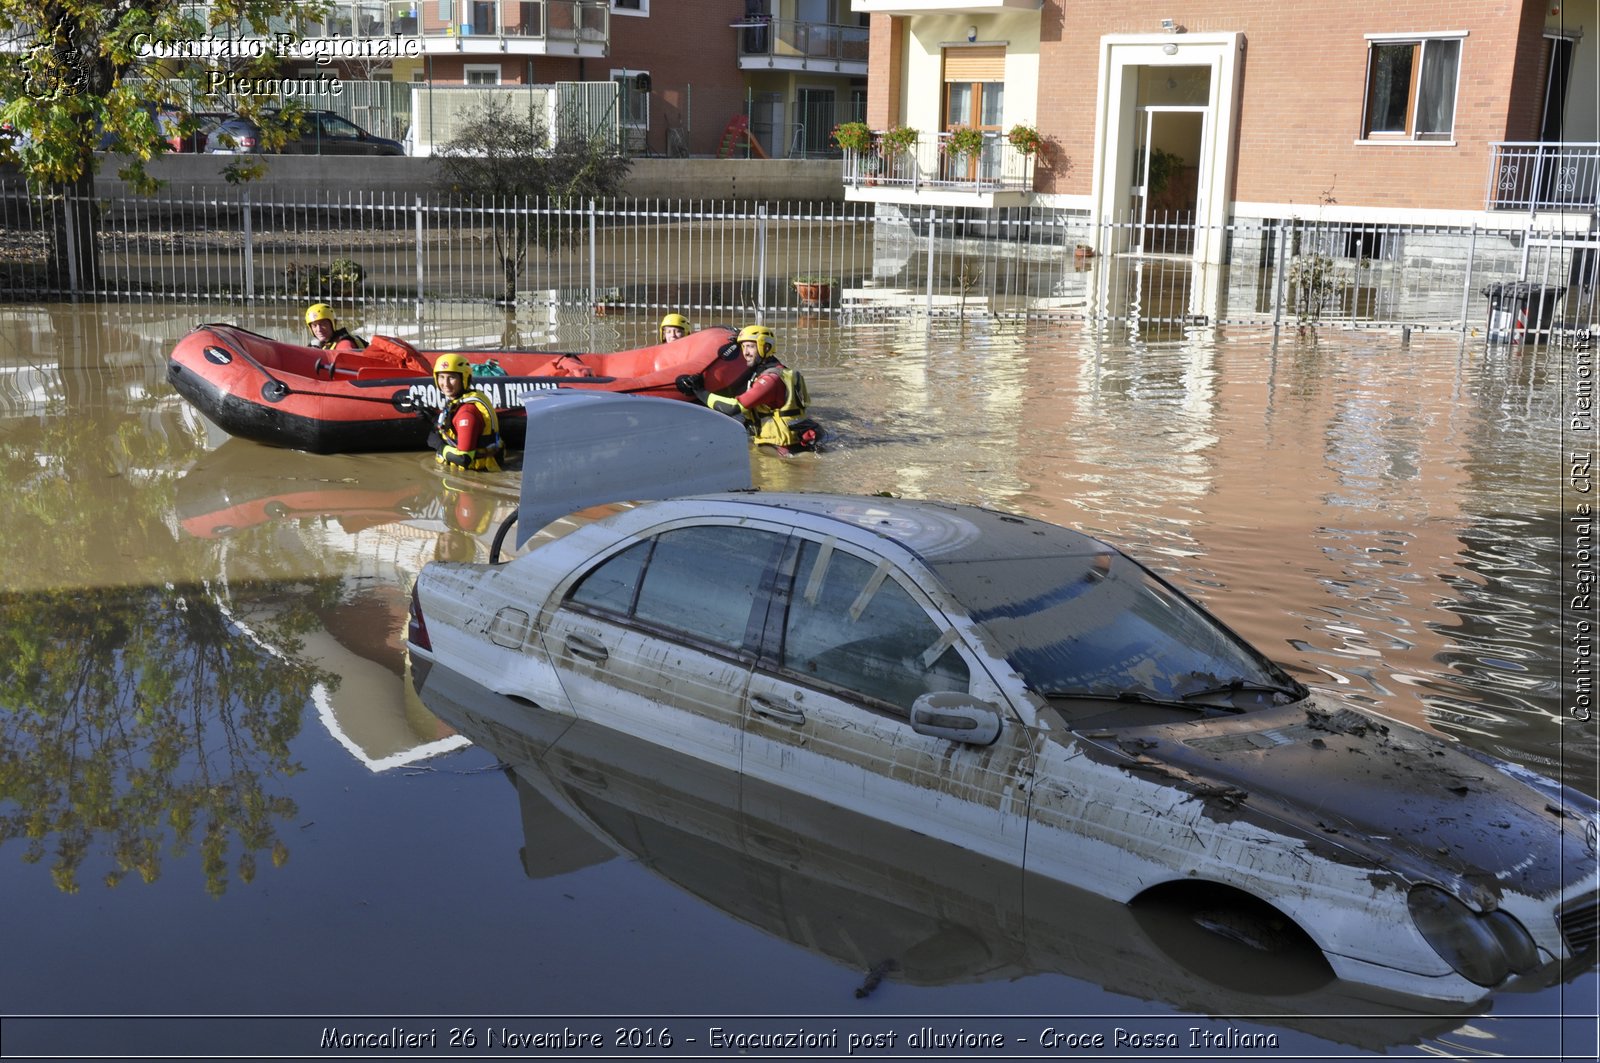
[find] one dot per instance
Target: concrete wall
(288, 176)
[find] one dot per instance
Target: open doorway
(1169, 145)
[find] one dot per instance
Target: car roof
(941, 533)
(984, 557)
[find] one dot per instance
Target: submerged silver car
(1023, 691)
(894, 905)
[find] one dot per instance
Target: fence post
(1277, 274)
(594, 290)
(1102, 275)
(249, 250)
(931, 225)
(69, 204)
(419, 248)
(761, 260)
(1466, 286)
(1538, 181)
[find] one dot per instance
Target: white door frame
(1116, 130)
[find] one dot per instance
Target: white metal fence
(578, 110)
(702, 257)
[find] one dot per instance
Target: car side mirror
(956, 717)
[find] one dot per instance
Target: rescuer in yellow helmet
(325, 330)
(673, 327)
(467, 430)
(773, 402)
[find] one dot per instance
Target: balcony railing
(567, 21)
(928, 164)
(787, 38)
(1528, 175)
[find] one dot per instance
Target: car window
(1111, 628)
(852, 625)
(701, 581)
(611, 585)
(334, 126)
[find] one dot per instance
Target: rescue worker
(773, 401)
(326, 333)
(467, 430)
(674, 327)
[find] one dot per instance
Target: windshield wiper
(1234, 686)
(1139, 697)
(1121, 695)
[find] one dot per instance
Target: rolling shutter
(986, 63)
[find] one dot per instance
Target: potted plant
(1025, 139)
(814, 289)
(896, 140)
(1163, 164)
(1081, 253)
(853, 136)
(964, 142)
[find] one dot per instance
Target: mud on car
(1031, 693)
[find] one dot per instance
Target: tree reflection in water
(146, 720)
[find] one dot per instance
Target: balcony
(942, 7)
(379, 29)
(998, 176)
(1534, 176)
(791, 44)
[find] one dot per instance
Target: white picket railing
(741, 259)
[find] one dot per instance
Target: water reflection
(369, 523)
(892, 905)
(148, 724)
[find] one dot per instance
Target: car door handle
(773, 710)
(586, 648)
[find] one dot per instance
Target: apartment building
(1402, 112)
(765, 78)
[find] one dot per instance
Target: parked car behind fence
(318, 133)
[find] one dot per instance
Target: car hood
(1377, 791)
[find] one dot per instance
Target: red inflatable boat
(382, 398)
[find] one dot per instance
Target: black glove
(460, 458)
(689, 383)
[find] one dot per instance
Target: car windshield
(1099, 625)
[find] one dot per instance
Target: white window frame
(470, 69)
(642, 11)
(1411, 135)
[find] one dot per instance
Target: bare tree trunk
(511, 246)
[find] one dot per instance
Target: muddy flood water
(221, 799)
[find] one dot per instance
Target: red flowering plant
(1025, 139)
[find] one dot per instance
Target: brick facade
(1300, 109)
